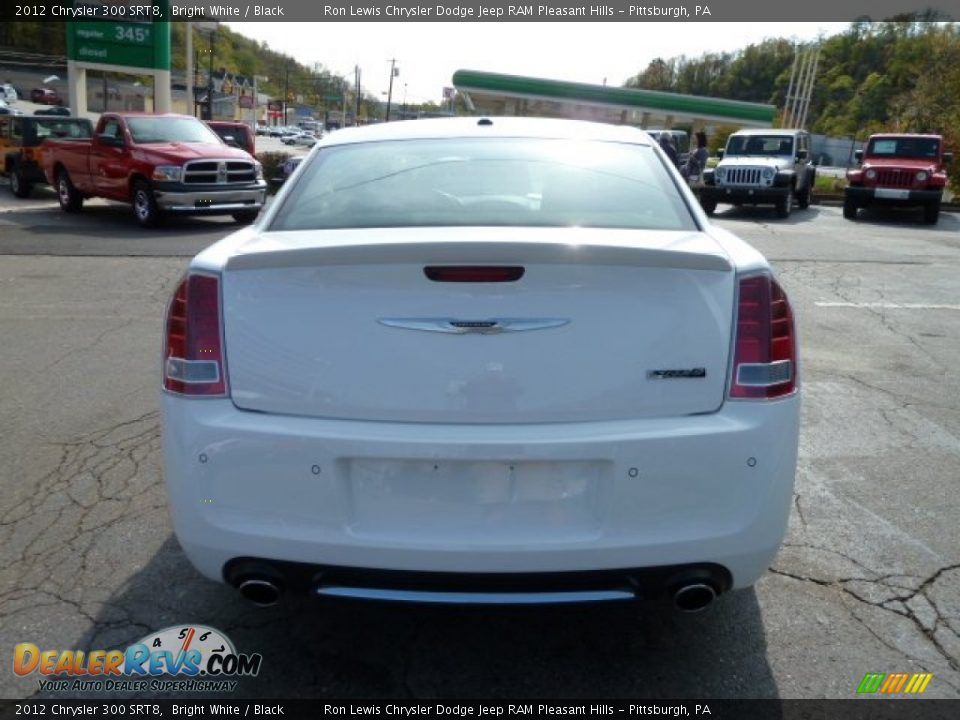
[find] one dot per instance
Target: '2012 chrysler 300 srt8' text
(488, 360)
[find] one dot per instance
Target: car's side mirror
(801, 155)
(947, 158)
(858, 155)
(719, 154)
(231, 141)
(111, 140)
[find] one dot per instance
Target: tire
(245, 217)
(849, 209)
(931, 213)
(18, 186)
(145, 208)
(785, 205)
(71, 200)
(803, 199)
(709, 205)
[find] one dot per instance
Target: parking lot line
(888, 305)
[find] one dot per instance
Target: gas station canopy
(497, 94)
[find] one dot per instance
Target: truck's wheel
(145, 207)
(245, 217)
(18, 186)
(849, 209)
(931, 213)
(785, 205)
(71, 200)
(709, 205)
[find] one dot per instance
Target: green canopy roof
(642, 100)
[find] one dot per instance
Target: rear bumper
(710, 489)
(744, 194)
(864, 196)
(250, 197)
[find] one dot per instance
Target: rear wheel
(709, 205)
(145, 207)
(785, 205)
(849, 209)
(931, 213)
(245, 217)
(18, 185)
(71, 200)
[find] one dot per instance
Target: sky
(428, 53)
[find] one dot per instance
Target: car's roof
(769, 131)
(488, 127)
(907, 135)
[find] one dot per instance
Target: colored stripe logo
(894, 683)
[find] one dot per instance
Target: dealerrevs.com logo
(197, 658)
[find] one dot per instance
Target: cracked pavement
(868, 579)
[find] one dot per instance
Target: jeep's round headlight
(720, 174)
(768, 173)
(922, 175)
(871, 174)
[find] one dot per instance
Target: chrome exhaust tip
(260, 592)
(694, 597)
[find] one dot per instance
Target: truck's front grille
(742, 176)
(218, 172)
(895, 178)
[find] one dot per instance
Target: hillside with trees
(898, 76)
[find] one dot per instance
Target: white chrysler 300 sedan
(494, 360)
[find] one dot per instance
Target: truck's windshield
(146, 130)
(760, 145)
(904, 147)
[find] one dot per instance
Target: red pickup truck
(899, 169)
(160, 164)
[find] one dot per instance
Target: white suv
(761, 167)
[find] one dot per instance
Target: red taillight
(193, 352)
(473, 273)
(765, 347)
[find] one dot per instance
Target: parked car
(235, 133)
(22, 146)
(307, 139)
(286, 170)
(45, 96)
(497, 360)
(276, 131)
(681, 141)
(762, 167)
(903, 170)
(8, 93)
(159, 164)
(263, 130)
(54, 110)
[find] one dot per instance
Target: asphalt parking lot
(867, 581)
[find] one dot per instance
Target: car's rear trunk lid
(602, 325)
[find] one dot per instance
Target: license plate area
(891, 194)
(477, 502)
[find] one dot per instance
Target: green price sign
(141, 44)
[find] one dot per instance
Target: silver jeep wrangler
(761, 167)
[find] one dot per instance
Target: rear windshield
(485, 182)
(59, 128)
(237, 135)
(146, 130)
(911, 147)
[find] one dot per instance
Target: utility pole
(210, 79)
(286, 90)
(191, 104)
(356, 112)
(393, 73)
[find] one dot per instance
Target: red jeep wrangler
(904, 170)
